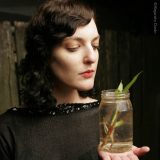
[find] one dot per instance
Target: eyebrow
(81, 39)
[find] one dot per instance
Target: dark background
(122, 15)
(135, 18)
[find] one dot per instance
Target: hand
(130, 155)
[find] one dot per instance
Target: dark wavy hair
(53, 21)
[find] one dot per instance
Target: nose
(91, 55)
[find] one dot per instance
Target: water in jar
(116, 126)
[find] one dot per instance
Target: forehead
(87, 32)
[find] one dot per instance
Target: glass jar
(116, 122)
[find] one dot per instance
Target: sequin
(53, 113)
(60, 109)
(14, 109)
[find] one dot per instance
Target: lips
(87, 74)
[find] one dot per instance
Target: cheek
(63, 69)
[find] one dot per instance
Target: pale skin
(130, 155)
(75, 55)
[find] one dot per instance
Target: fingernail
(147, 148)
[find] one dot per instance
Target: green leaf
(114, 118)
(128, 86)
(119, 123)
(120, 87)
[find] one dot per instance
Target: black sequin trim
(61, 109)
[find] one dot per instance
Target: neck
(65, 94)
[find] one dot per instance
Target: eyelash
(96, 47)
(76, 48)
(73, 49)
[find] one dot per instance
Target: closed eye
(73, 49)
(95, 47)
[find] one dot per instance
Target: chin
(86, 87)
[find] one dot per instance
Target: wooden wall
(11, 51)
(122, 55)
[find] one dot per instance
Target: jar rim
(110, 93)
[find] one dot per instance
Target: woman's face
(74, 61)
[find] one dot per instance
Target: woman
(58, 118)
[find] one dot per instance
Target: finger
(104, 155)
(140, 151)
(145, 148)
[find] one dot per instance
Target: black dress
(68, 132)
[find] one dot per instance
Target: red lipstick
(87, 74)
